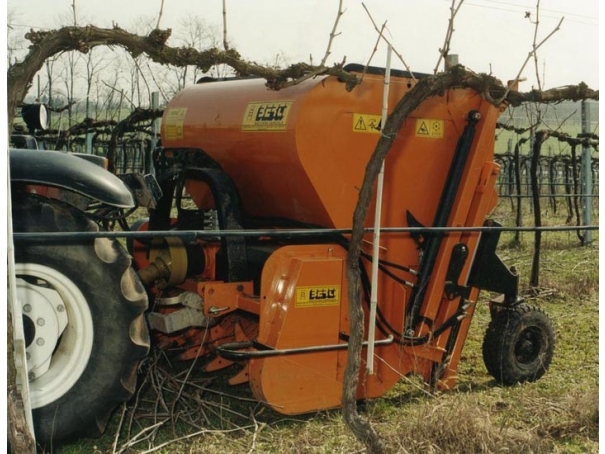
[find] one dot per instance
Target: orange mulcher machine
(266, 182)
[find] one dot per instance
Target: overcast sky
(490, 35)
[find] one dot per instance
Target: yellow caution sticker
(318, 296)
(429, 128)
(173, 123)
(369, 123)
(266, 116)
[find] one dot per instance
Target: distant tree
(195, 33)
(94, 64)
(14, 41)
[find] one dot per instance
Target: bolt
(31, 376)
(40, 322)
(60, 308)
(27, 308)
(216, 310)
(40, 341)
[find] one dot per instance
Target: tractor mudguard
(60, 169)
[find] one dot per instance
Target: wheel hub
(62, 335)
(528, 347)
(45, 319)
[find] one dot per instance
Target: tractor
(242, 257)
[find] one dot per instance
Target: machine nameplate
(266, 116)
(366, 123)
(173, 123)
(429, 128)
(322, 295)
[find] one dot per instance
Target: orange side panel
(304, 303)
(301, 303)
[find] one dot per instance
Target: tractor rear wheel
(83, 320)
(518, 344)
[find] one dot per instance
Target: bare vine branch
(529, 55)
(444, 51)
(375, 49)
(45, 44)
(257, 429)
(333, 34)
(158, 86)
(121, 92)
(407, 67)
(537, 24)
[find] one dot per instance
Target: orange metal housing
(300, 153)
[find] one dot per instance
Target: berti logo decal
(317, 296)
(266, 116)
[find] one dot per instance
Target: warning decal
(426, 127)
(366, 123)
(324, 295)
(266, 116)
(173, 123)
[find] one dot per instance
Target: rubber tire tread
(500, 340)
(101, 269)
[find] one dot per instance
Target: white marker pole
(377, 217)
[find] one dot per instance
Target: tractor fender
(66, 171)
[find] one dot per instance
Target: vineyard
(213, 249)
(561, 178)
(178, 408)
(548, 188)
(558, 174)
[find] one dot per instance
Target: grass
(556, 414)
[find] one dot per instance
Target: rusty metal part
(168, 263)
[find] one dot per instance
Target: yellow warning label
(266, 116)
(430, 128)
(366, 123)
(173, 123)
(324, 295)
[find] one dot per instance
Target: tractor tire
(519, 344)
(83, 312)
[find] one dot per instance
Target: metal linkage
(239, 351)
(444, 209)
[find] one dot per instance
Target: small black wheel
(518, 344)
(83, 312)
